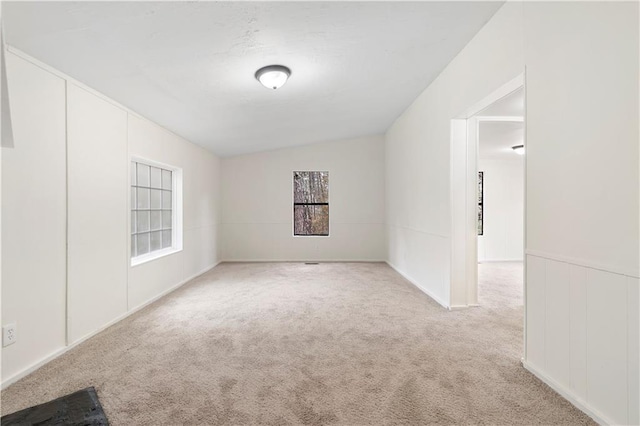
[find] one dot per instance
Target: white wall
(97, 212)
(418, 153)
(201, 210)
(85, 148)
(34, 216)
(582, 202)
(582, 179)
(257, 197)
(503, 223)
(582, 212)
(582, 189)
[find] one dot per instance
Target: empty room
(320, 213)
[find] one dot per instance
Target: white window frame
(176, 213)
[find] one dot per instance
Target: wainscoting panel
(578, 331)
(535, 312)
(633, 309)
(557, 353)
(582, 336)
(607, 344)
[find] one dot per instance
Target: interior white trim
(158, 254)
(619, 270)
(177, 207)
(463, 307)
(415, 283)
(303, 261)
(66, 77)
(464, 130)
(508, 118)
(500, 93)
(524, 224)
(579, 403)
(33, 367)
(69, 79)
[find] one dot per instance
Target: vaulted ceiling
(190, 66)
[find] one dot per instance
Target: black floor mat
(80, 408)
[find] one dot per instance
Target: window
(153, 211)
(311, 203)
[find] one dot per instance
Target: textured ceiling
(189, 66)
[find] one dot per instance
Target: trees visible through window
(311, 203)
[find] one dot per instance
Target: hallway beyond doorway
(500, 284)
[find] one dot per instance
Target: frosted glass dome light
(519, 149)
(273, 76)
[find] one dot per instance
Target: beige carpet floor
(285, 344)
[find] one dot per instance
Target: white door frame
(463, 286)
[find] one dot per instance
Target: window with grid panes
(151, 208)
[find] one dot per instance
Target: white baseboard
(463, 307)
(171, 289)
(578, 402)
(33, 367)
(418, 286)
(303, 261)
(458, 307)
(500, 260)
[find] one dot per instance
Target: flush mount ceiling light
(519, 149)
(273, 76)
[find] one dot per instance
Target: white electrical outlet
(9, 334)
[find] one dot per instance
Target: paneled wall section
(34, 216)
(97, 212)
(582, 335)
(68, 136)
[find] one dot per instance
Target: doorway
(500, 209)
(500, 112)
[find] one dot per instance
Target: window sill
(136, 261)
